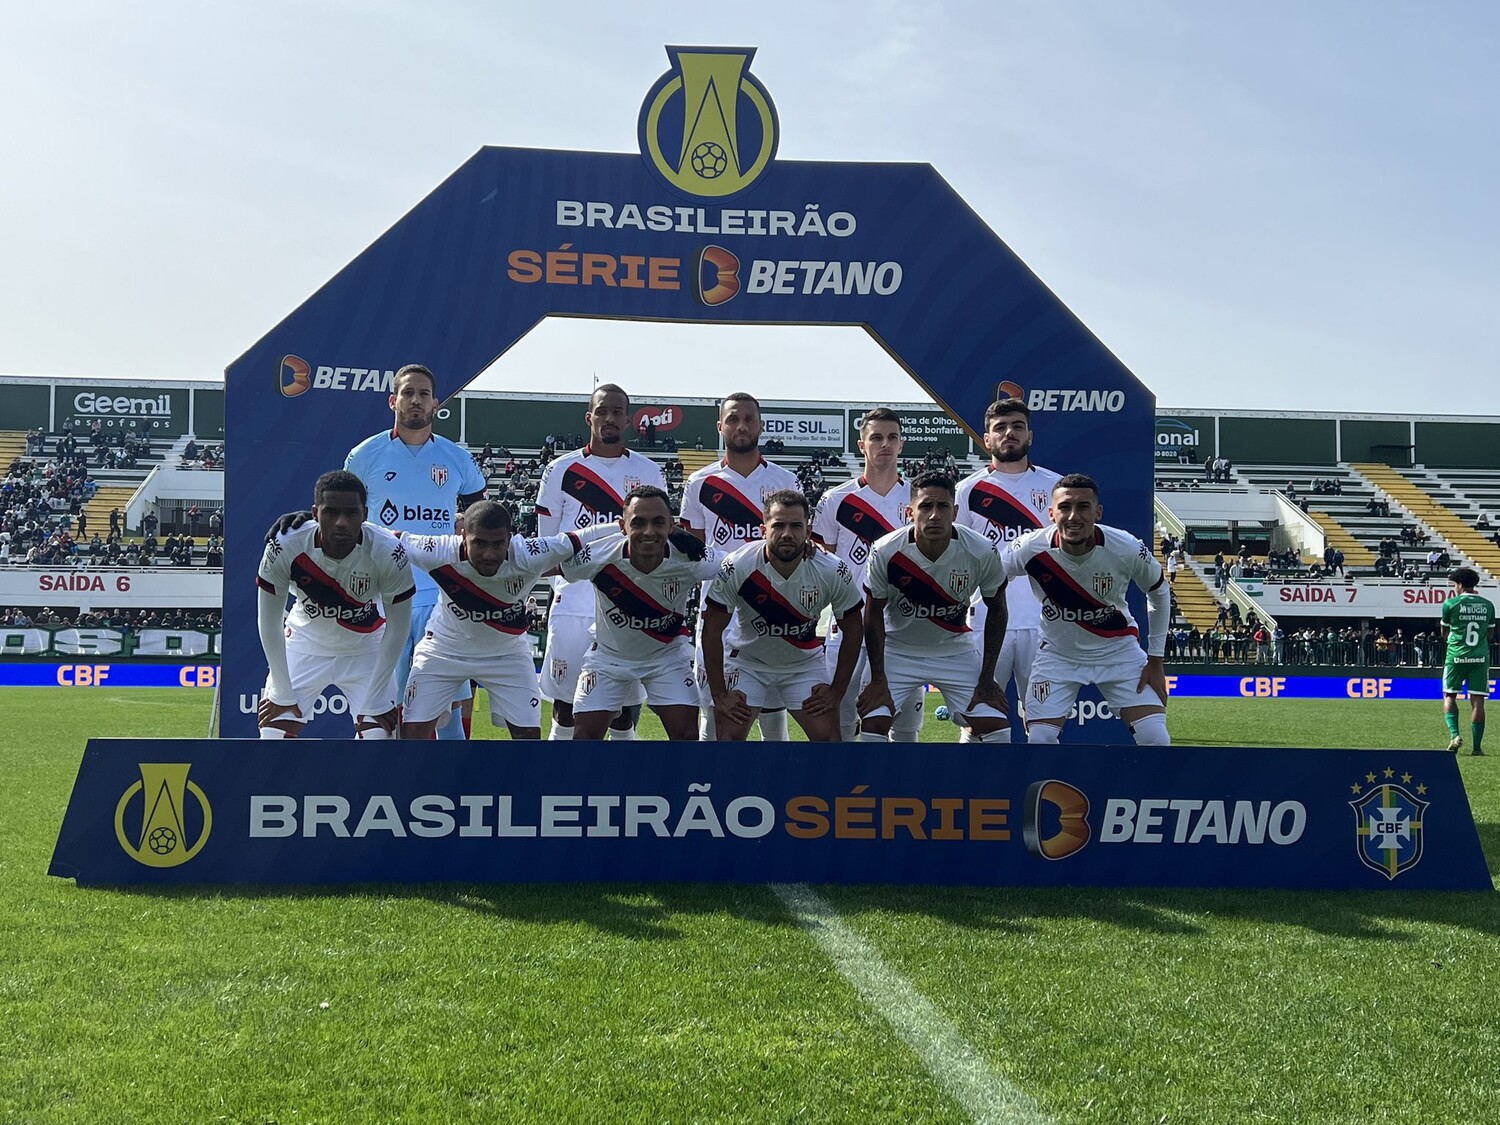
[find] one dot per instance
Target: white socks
(773, 726)
(1152, 730)
(559, 733)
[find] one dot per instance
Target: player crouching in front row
(642, 582)
(341, 570)
(479, 628)
(920, 580)
(768, 596)
(1082, 570)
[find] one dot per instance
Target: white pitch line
(947, 1055)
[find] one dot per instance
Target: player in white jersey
(917, 617)
(1005, 501)
(850, 518)
(764, 605)
(418, 481)
(642, 585)
(724, 505)
(1082, 570)
(580, 490)
(480, 629)
(341, 571)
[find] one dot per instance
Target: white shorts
(1017, 654)
(607, 684)
(1056, 681)
(569, 639)
(768, 687)
(954, 673)
(313, 669)
(910, 708)
(510, 679)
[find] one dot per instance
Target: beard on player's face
(741, 443)
(786, 548)
(1009, 452)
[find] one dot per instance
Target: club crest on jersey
(1040, 500)
(807, 598)
(440, 475)
(512, 587)
(559, 669)
(586, 683)
(958, 582)
(359, 586)
(670, 588)
(1040, 690)
(1103, 584)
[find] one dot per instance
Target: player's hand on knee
(289, 522)
(988, 693)
(1154, 676)
(876, 695)
(688, 543)
(386, 721)
(821, 701)
(267, 712)
(731, 708)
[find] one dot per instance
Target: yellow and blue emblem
(708, 127)
(1388, 826)
(170, 833)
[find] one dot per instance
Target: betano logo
(1063, 399)
(163, 837)
(708, 128)
(1054, 821)
(716, 275)
(296, 376)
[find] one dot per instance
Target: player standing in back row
(1468, 626)
(578, 491)
(724, 505)
(418, 482)
(1004, 502)
(851, 517)
(1081, 571)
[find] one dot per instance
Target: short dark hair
(879, 414)
(788, 498)
(934, 479)
(339, 480)
(646, 492)
(739, 396)
(1076, 480)
(1006, 406)
(1465, 576)
(415, 369)
(488, 516)
(608, 389)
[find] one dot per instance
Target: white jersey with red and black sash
(926, 601)
(1085, 616)
(579, 490)
(776, 619)
(338, 601)
(1003, 507)
(729, 508)
(485, 615)
(852, 516)
(637, 615)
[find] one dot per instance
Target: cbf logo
(166, 837)
(1388, 824)
(708, 127)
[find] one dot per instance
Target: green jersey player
(1468, 625)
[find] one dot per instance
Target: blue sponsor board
(119, 674)
(1363, 684)
(344, 812)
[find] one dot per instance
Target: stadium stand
(1468, 543)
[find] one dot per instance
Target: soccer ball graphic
(710, 160)
(941, 713)
(162, 840)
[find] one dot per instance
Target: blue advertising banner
(224, 812)
(702, 225)
(115, 674)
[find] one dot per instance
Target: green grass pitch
(678, 1003)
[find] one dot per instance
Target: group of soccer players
(964, 585)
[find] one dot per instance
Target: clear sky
(1279, 205)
